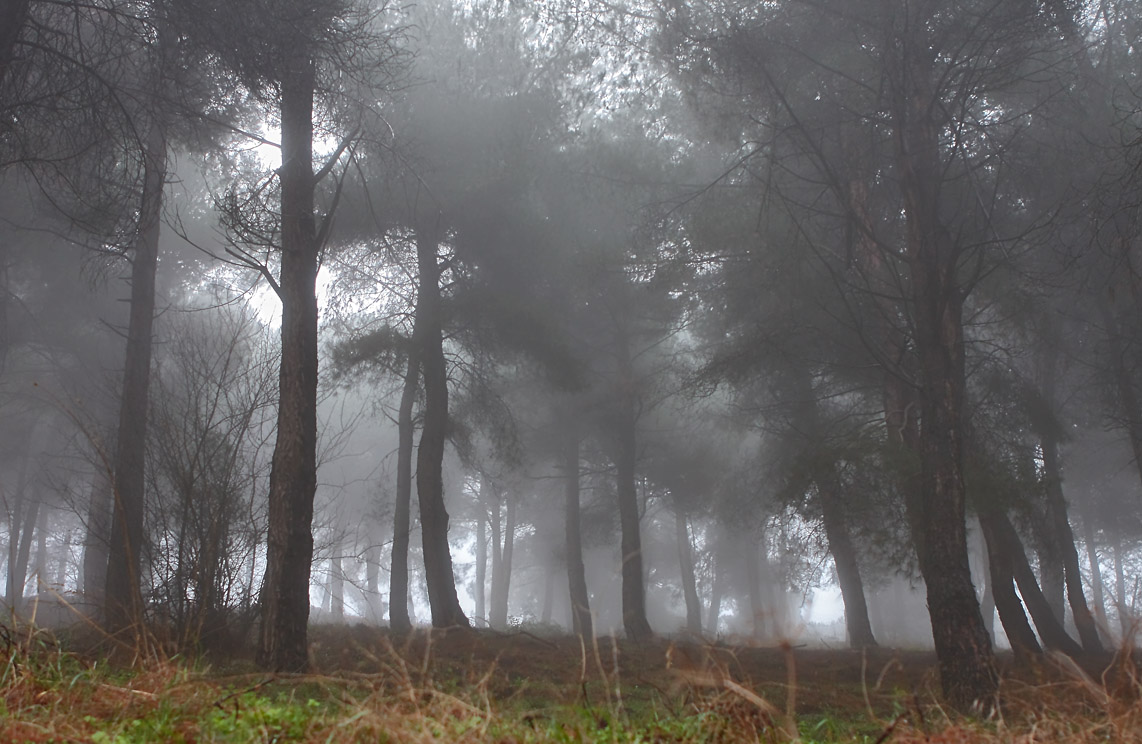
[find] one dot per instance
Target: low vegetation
(522, 687)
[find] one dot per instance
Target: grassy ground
(524, 687)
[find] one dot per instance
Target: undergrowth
(420, 692)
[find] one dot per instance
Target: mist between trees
(671, 316)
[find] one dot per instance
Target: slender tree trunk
(548, 592)
(123, 601)
(373, 599)
(1064, 538)
(987, 603)
(1125, 622)
(686, 565)
(283, 645)
(97, 538)
(502, 567)
(757, 609)
(337, 587)
(398, 581)
(40, 567)
(967, 665)
(438, 574)
(64, 559)
(581, 621)
(1096, 584)
(1124, 384)
(1052, 576)
(19, 551)
(481, 558)
(635, 623)
(713, 619)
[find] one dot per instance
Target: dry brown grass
(484, 687)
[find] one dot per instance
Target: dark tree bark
(1011, 614)
(1064, 538)
(967, 665)
(686, 565)
(441, 581)
(398, 582)
(848, 568)
(20, 549)
(1050, 629)
(635, 624)
(96, 539)
(122, 598)
(581, 621)
(502, 566)
(283, 645)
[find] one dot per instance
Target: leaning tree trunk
(398, 581)
(19, 551)
(1011, 614)
(283, 645)
(122, 598)
(1098, 590)
(1052, 632)
(937, 513)
(845, 559)
(438, 574)
(581, 622)
(714, 613)
(1064, 538)
(686, 565)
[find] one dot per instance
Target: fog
(702, 320)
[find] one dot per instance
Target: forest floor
(526, 686)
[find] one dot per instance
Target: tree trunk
(96, 539)
(481, 558)
(1125, 622)
(337, 587)
(1096, 584)
(967, 665)
(438, 574)
(123, 601)
(373, 600)
(845, 559)
(1052, 576)
(19, 550)
(581, 621)
(1052, 632)
(548, 592)
(714, 616)
(1011, 614)
(635, 623)
(686, 565)
(1064, 538)
(757, 609)
(398, 581)
(502, 567)
(283, 645)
